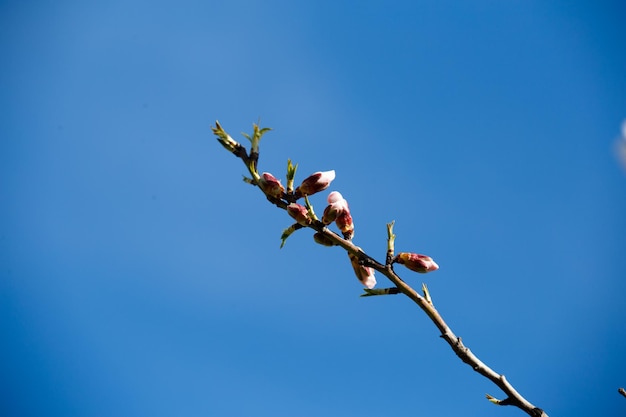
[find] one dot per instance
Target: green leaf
(288, 232)
(224, 138)
(291, 174)
(379, 291)
(426, 293)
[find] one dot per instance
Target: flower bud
(344, 223)
(416, 262)
(336, 204)
(339, 212)
(299, 213)
(323, 239)
(330, 214)
(315, 183)
(365, 274)
(271, 185)
(335, 197)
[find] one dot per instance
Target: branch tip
(492, 400)
(291, 174)
(390, 243)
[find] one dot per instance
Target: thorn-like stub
(538, 412)
(492, 400)
(426, 294)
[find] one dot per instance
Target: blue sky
(140, 276)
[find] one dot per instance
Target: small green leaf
(255, 138)
(379, 291)
(291, 174)
(426, 293)
(309, 207)
(224, 138)
(288, 232)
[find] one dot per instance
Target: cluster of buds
(314, 183)
(416, 262)
(365, 274)
(338, 211)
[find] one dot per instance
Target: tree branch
(513, 397)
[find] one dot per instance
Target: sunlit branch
(275, 193)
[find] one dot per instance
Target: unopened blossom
(299, 213)
(330, 214)
(336, 204)
(335, 197)
(271, 185)
(345, 224)
(315, 183)
(338, 211)
(416, 262)
(365, 274)
(323, 240)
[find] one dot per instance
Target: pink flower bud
(335, 197)
(271, 185)
(299, 213)
(365, 274)
(416, 262)
(315, 183)
(338, 211)
(330, 214)
(344, 223)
